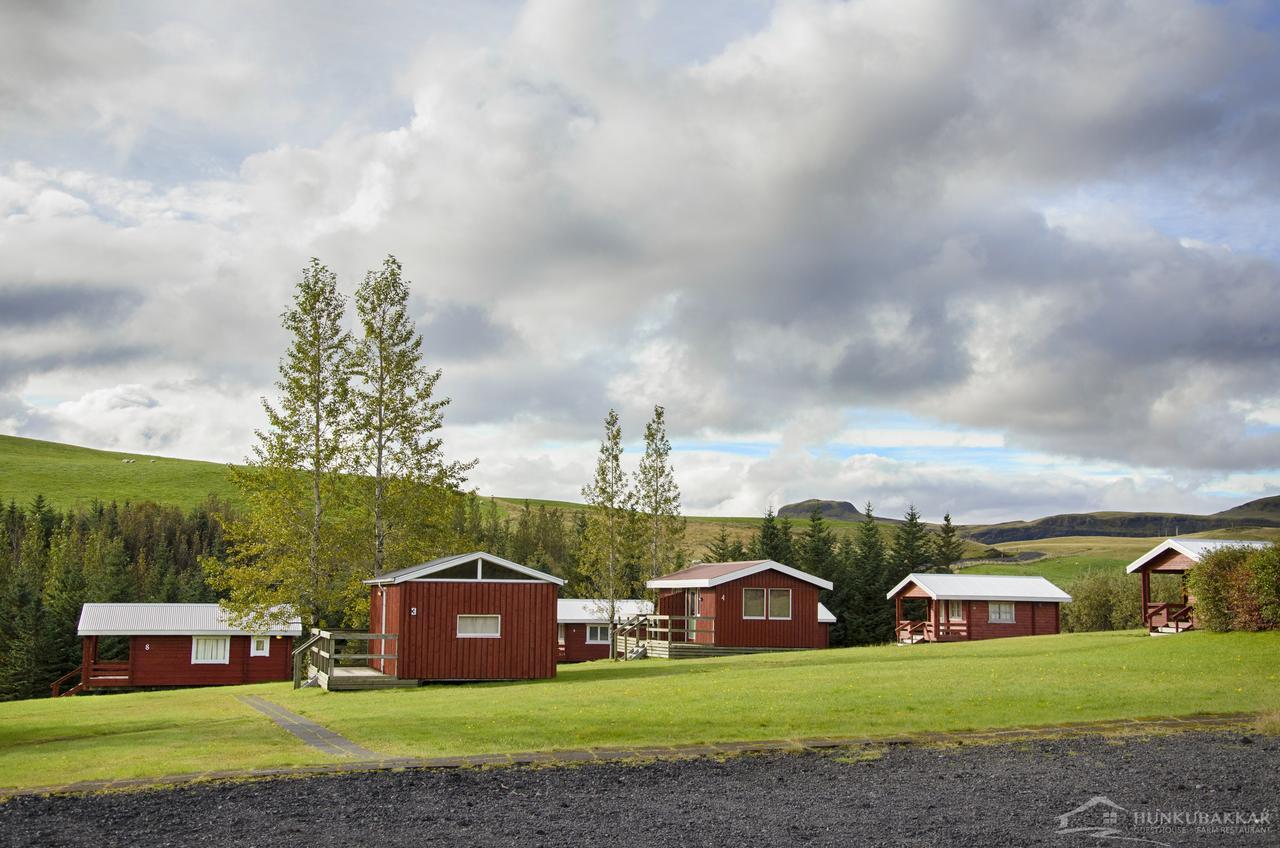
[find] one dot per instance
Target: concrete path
(364, 760)
(315, 735)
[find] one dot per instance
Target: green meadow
(874, 692)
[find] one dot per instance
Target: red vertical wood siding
(724, 602)
(431, 650)
(576, 648)
(167, 662)
(1044, 614)
(389, 595)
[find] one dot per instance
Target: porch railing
(908, 630)
(326, 650)
(1178, 616)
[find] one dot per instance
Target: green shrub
(1237, 588)
(1266, 584)
(1103, 599)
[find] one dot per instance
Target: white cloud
(886, 206)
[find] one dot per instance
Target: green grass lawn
(1059, 570)
(144, 734)
(847, 692)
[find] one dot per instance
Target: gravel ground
(991, 795)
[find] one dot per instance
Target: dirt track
(993, 795)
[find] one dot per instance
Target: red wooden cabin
(583, 630)
(959, 607)
(1175, 556)
(176, 645)
(736, 607)
(467, 617)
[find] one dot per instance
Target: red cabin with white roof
(176, 645)
(471, 616)
(737, 607)
(582, 625)
(959, 607)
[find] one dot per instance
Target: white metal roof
(674, 581)
(983, 587)
(825, 616)
(168, 620)
(596, 611)
(1194, 548)
(426, 569)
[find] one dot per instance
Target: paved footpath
(358, 759)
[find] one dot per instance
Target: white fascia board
(910, 578)
(452, 561)
(709, 582)
(1166, 545)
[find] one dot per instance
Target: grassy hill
(69, 476)
(1264, 512)
(850, 692)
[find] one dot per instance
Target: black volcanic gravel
(989, 795)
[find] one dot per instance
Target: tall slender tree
(773, 539)
(289, 547)
(609, 499)
(395, 447)
(658, 500)
(911, 547)
(947, 547)
(869, 617)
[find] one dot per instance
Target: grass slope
(847, 692)
(68, 475)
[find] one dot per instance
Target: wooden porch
(332, 659)
(1170, 618)
(92, 673)
(945, 621)
(675, 637)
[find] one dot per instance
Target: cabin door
(692, 608)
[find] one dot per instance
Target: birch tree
(288, 547)
(658, 500)
(608, 500)
(404, 479)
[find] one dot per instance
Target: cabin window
(462, 571)
(753, 603)
(479, 626)
(208, 650)
(780, 604)
(955, 610)
(260, 646)
(560, 633)
(597, 634)
(1000, 612)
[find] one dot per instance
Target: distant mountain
(835, 510)
(1264, 512)
(1264, 508)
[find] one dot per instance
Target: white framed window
(780, 604)
(597, 634)
(753, 603)
(479, 626)
(955, 610)
(560, 633)
(210, 650)
(259, 646)
(1000, 612)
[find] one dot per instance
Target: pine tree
(658, 499)
(869, 616)
(817, 547)
(773, 539)
(608, 500)
(724, 549)
(291, 548)
(911, 548)
(396, 418)
(947, 547)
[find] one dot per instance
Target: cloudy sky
(1002, 259)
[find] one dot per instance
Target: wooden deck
(360, 677)
(320, 658)
(673, 637)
